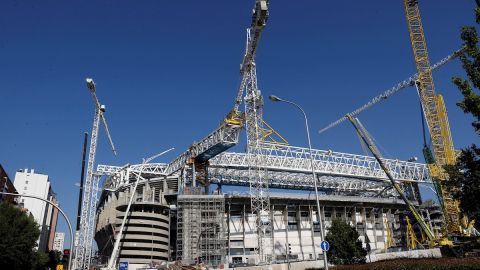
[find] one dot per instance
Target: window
(25, 188)
(26, 181)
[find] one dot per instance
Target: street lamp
(277, 99)
(61, 212)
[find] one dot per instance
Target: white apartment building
(58, 241)
(31, 183)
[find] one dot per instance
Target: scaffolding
(201, 234)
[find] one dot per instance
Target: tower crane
(83, 248)
(227, 135)
(435, 114)
(259, 194)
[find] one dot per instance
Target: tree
(18, 238)
(345, 247)
(464, 176)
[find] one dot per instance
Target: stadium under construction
(172, 221)
(285, 197)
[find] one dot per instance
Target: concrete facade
(146, 236)
(31, 183)
(296, 228)
(161, 226)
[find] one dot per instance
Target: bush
(345, 247)
(418, 264)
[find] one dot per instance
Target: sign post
(325, 247)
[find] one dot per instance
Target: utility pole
(80, 192)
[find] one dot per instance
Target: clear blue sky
(168, 73)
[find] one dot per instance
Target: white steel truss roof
(289, 167)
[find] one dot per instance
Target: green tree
(345, 247)
(464, 176)
(18, 238)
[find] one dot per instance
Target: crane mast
(259, 194)
(435, 115)
(83, 248)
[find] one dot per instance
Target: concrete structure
(433, 215)
(58, 241)
(31, 183)
(219, 229)
(146, 238)
(6, 185)
(296, 231)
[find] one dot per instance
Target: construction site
(183, 214)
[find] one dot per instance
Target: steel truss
(289, 167)
(83, 249)
(216, 142)
(292, 159)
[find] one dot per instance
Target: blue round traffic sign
(325, 245)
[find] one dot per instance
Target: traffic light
(289, 249)
(66, 256)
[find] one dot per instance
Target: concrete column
(364, 220)
(322, 216)
(374, 228)
(313, 232)
(380, 215)
(285, 214)
(243, 227)
(272, 222)
(299, 229)
(228, 233)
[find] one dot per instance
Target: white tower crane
(259, 194)
(83, 248)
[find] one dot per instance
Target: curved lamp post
(322, 237)
(60, 210)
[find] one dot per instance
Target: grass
(416, 264)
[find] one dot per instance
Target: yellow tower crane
(436, 118)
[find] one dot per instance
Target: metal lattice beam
(286, 158)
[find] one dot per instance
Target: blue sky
(168, 72)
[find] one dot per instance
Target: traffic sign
(325, 245)
(123, 266)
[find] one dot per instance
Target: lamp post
(59, 209)
(277, 99)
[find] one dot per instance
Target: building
(58, 241)
(147, 233)
(220, 230)
(6, 185)
(175, 219)
(36, 184)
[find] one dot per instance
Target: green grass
(416, 264)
